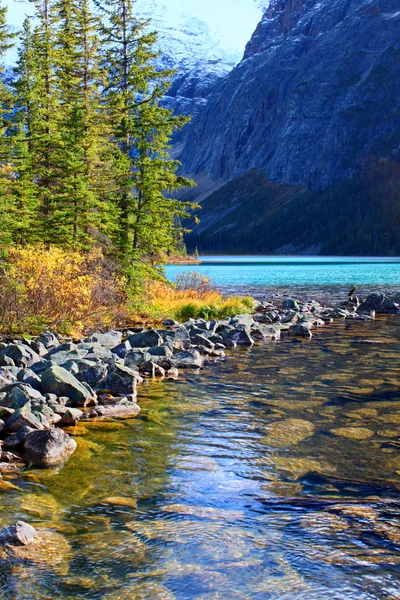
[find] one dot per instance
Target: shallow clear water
(247, 486)
(294, 271)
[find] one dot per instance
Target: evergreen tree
(142, 129)
(44, 134)
(7, 175)
(83, 156)
(25, 206)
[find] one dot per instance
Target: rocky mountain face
(299, 127)
(200, 52)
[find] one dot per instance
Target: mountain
(298, 148)
(198, 42)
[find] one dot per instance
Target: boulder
(121, 380)
(265, 332)
(379, 303)
(49, 340)
(71, 416)
(151, 368)
(122, 349)
(18, 438)
(244, 320)
(29, 377)
(242, 337)
(163, 350)
(19, 534)
(92, 375)
(56, 380)
(170, 323)
(189, 359)
(176, 337)
(109, 339)
(6, 412)
(202, 340)
(145, 339)
(16, 397)
(48, 448)
(135, 357)
(301, 330)
(21, 355)
(26, 417)
(115, 411)
(290, 304)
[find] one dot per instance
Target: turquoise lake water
(294, 271)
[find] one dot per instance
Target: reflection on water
(273, 476)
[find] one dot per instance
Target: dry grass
(193, 296)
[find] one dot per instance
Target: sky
(230, 22)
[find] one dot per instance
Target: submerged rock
(353, 433)
(289, 431)
(18, 534)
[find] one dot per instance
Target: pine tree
(142, 129)
(7, 172)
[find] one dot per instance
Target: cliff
(314, 103)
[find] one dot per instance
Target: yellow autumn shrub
(193, 296)
(64, 290)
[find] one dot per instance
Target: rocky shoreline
(48, 383)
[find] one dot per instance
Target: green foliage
(84, 139)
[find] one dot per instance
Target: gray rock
(190, 359)
(153, 369)
(176, 337)
(264, 332)
(6, 412)
(49, 340)
(242, 337)
(22, 356)
(245, 320)
(16, 397)
(122, 349)
(109, 339)
(18, 438)
(29, 377)
(136, 357)
(121, 380)
(71, 416)
(92, 375)
(163, 350)
(115, 411)
(170, 323)
(49, 448)
(201, 340)
(25, 417)
(378, 302)
(145, 339)
(19, 534)
(56, 380)
(301, 330)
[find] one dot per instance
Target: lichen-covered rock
(245, 320)
(49, 448)
(26, 417)
(56, 380)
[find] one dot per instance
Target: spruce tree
(7, 170)
(44, 136)
(142, 129)
(25, 205)
(83, 156)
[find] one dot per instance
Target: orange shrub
(63, 290)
